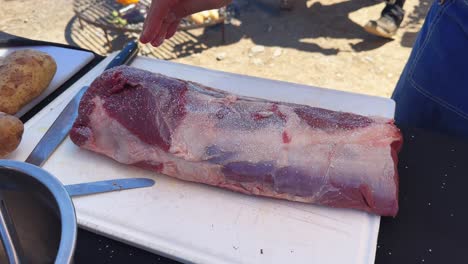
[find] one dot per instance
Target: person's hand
(164, 17)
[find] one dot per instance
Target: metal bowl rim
(64, 202)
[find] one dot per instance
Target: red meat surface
(253, 146)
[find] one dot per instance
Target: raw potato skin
(24, 75)
(11, 132)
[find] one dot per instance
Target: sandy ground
(319, 43)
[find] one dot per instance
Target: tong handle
(9, 236)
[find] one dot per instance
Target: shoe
(383, 27)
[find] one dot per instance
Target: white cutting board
(69, 62)
(203, 224)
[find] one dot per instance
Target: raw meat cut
(249, 145)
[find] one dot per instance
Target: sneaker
(383, 27)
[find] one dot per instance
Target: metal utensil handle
(57, 132)
(107, 186)
(127, 54)
(9, 236)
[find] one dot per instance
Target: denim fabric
(432, 92)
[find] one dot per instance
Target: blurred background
(319, 43)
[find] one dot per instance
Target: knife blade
(57, 132)
(107, 186)
(62, 125)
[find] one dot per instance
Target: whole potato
(24, 75)
(11, 132)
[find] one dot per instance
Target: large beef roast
(249, 145)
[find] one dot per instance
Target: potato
(205, 14)
(197, 18)
(24, 75)
(214, 14)
(11, 132)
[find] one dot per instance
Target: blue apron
(432, 92)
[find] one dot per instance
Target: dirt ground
(319, 43)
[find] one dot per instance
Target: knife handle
(125, 55)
